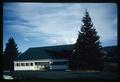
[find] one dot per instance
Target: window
(36, 63)
(27, 64)
(31, 64)
(17, 64)
(22, 64)
(41, 63)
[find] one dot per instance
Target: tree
(86, 53)
(10, 54)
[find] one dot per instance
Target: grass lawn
(63, 75)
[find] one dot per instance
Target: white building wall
(34, 67)
(24, 68)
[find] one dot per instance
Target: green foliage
(86, 53)
(10, 54)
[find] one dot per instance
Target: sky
(50, 24)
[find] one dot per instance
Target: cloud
(58, 23)
(26, 39)
(70, 41)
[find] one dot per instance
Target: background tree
(86, 53)
(10, 54)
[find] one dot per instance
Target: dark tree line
(10, 54)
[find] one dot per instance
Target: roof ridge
(52, 46)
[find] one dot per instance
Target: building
(44, 58)
(41, 64)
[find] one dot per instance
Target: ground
(62, 75)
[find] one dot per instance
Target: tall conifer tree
(10, 54)
(86, 53)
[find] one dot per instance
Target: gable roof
(44, 52)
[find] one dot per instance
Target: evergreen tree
(10, 54)
(86, 53)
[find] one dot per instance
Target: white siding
(41, 66)
(24, 68)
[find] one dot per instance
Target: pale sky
(49, 24)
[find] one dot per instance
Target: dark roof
(54, 52)
(44, 52)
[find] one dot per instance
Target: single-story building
(41, 64)
(44, 58)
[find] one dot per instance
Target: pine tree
(10, 54)
(86, 53)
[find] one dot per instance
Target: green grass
(64, 75)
